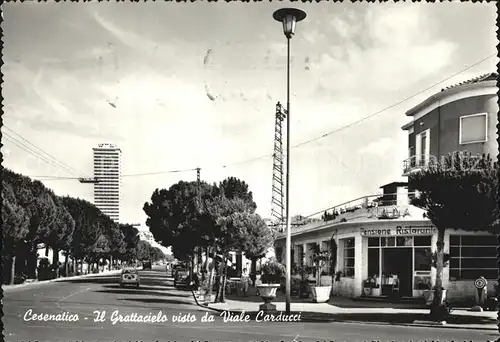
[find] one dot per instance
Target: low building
(383, 237)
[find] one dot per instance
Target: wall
(463, 290)
(444, 125)
(460, 289)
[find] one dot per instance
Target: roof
(492, 76)
(395, 183)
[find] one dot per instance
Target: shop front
(393, 257)
(398, 259)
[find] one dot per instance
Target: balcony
(416, 163)
(461, 158)
(374, 207)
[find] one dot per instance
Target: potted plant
(272, 273)
(421, 288)
(320, 294)
(367, 287)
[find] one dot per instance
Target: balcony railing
(373, 207)
(461, 159)
(417, 162)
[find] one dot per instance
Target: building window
(473, 256)
(348, 257)
(473, 128)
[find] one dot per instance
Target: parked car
(176, 268)
(182, 278)
(146, 265)
(130, 277)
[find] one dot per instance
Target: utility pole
(278, 195)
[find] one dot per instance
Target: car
(176, 268)
(130, 277)
(146, 265)
(182, 278)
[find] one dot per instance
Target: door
(398, 261)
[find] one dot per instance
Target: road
(101, 293)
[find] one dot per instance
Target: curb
(414, 324)
(20, 286)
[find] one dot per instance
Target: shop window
(472, 257)
(422, 241)
(348, 257)
(404, 241)
(422, 259)
(373, 242)
(373, 261)
(389, 241)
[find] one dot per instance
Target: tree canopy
(33, 215)
(197, 214)
(459, 193)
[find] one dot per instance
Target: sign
(480, 283)
(399, 231)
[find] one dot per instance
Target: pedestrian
(245, 280)
(258, 282)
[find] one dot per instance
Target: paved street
(101, 293)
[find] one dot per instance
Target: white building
(107, 170)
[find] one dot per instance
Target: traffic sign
(480, 283)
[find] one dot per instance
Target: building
(383, 236)
(107, 170)
(462, 117)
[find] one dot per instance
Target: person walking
(245, 281)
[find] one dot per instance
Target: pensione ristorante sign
(399, 231)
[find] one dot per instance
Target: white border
(460, 129)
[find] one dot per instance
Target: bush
(272, 272)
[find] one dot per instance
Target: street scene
(250, 172)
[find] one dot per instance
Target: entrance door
(399, 261)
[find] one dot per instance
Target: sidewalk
(8, 288)
(339, 310)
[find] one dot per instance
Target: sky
(184, 85)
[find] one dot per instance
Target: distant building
(107, 170)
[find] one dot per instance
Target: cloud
(312, 36)
(378, 148)
(84, 130)
(395, 39)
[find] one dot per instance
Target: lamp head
(289, 17)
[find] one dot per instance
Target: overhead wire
(313, 139)
(37, 152)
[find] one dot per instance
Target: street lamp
(289, 18)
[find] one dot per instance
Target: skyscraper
(107, 170)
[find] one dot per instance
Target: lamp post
(289, 18)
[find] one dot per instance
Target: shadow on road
(141, 291)
(93, 280)
(158, 301)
